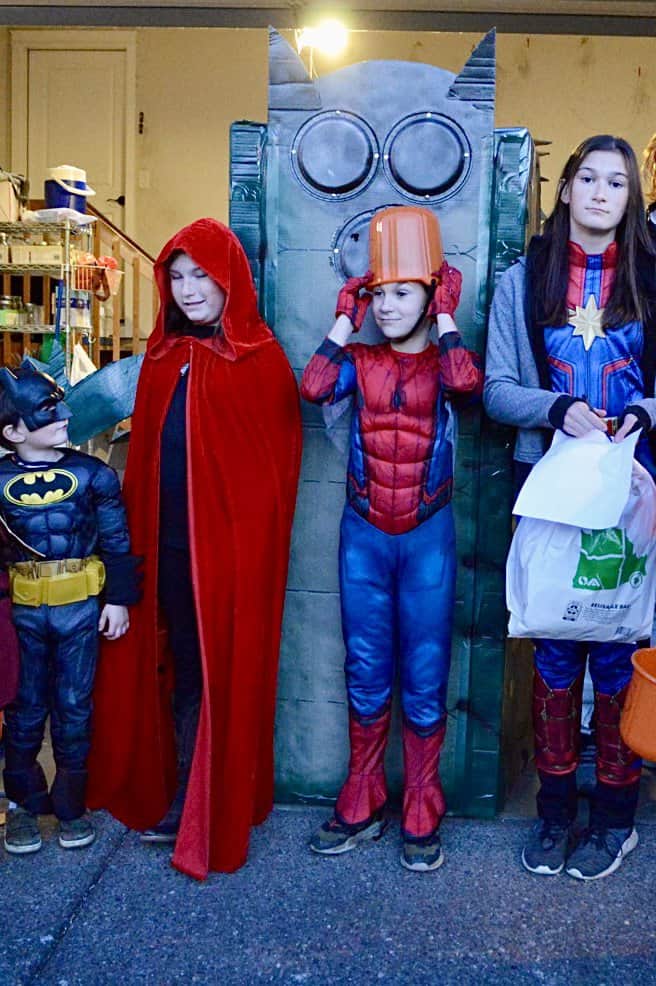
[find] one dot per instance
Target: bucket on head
(66, 188)
(404, 245)
(638, 722)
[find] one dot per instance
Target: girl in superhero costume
(572, 340)
(183, 739)
(397, 545)
(69, 541)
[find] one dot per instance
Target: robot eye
(335, 154)
(427, 156)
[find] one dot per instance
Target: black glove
(643, 422)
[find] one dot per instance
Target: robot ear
(290, 86)
(477, 81)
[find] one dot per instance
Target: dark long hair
(626, 301)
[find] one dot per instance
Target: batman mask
(35, 396)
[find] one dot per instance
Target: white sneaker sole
(541, 870)
(422, 867)
(22, 850)
(627, 847)
(157, 838)
(84, 840)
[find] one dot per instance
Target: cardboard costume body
(243, 453)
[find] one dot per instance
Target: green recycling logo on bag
(607, 560)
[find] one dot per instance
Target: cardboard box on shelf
(9, 204)
(46, 253)
(20, 253)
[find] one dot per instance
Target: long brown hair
(625, 303)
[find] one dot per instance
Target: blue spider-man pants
(397, 593)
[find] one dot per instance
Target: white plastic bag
(581, 481)
(81, 366)
(569, 583)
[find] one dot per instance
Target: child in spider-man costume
(397, 546)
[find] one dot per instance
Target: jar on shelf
(10, 311)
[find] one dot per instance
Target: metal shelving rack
(66, 232)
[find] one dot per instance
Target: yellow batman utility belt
(56, 583)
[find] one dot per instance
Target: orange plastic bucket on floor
(638, 722)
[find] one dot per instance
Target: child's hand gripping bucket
(66, 188)
(638, 722)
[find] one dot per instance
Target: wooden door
(76, 115)
(78, 87)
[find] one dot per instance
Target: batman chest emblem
(40, 489)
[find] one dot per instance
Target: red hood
(217, 250)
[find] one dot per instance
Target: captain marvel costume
(396, 559)
(243, 447)
(609, 367)
(535, 373)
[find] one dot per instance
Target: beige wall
(192, 83)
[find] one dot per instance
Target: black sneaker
(162, 834)
(76, 833)
(21, 832)
(547, 847)
(334, 837)
(422, 855)
(600, 852)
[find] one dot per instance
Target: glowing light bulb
(330, 37)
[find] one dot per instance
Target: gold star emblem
(587, 322)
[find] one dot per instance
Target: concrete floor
(117, 913)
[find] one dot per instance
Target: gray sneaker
(422, 855)
(76, 833)
(547, 847)
(335, 837)
(600, 852)
(21, 832)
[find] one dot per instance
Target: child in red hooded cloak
(215, 433)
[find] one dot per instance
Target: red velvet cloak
(243, 457)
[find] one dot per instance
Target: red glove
(351, 303)
(447, 293)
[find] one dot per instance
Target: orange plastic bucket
(405, 244)
(638, 722)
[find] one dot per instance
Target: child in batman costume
(183, 737)
(572, 340)
(64, 508)
(397, 544)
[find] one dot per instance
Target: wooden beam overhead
(593, 17)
